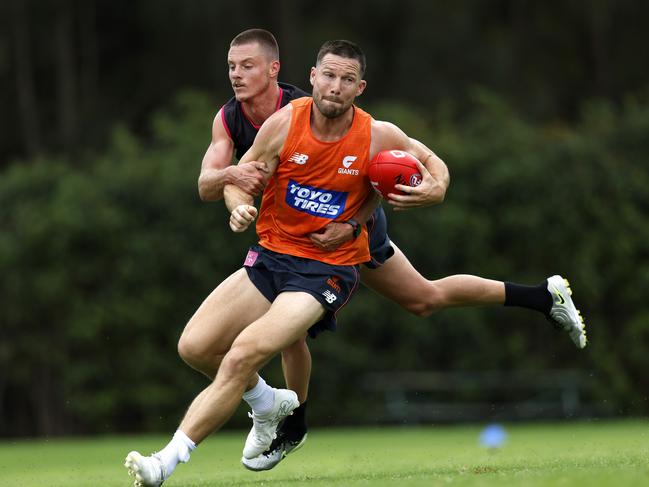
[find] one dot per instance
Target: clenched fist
(241, 217)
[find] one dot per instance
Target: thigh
(396, 280)
(233, 305)
(287, 320)
(331, 285)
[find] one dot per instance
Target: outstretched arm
(217, 171)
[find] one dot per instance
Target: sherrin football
(390, 167)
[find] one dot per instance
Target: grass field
(565, 454)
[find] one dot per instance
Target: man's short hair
(264, 38)
(343, 48)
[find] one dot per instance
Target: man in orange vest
(288, 284)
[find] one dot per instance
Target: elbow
(445, 185)
(440, 195)
(202, 192)
(205, 191)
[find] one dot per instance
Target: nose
(335, 87)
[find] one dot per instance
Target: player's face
(250, 71)
(336, 84)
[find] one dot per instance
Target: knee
(196, 354)
(420, 309)
(242, 361)
(425, 301)
(188, 349)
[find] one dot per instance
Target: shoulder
(270, 139)
(228, 114)
(220, 126)
(386, 131)
(230, 107)
(387, 136)
(281, 116)
(275, 129)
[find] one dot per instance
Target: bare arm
(435, 175)
(265, 150)
(217, 171)
(435, 181)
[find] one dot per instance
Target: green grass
(565, 454)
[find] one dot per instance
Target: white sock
(177, 450)
(260, 398)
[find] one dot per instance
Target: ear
(273, 69)
(312, 76)
(361, 87)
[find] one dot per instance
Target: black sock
(531, 297)
(297, 420)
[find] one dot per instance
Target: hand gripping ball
(390, 167)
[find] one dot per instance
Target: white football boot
(264, 426)
(564, 314)
(148, 471)
(277, 451)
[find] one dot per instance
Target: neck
(263, 105)
(330, 129)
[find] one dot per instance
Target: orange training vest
(315, 183)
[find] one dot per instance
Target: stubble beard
(330, 111)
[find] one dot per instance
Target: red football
(390, 167)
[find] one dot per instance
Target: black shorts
(380, 248)
(333, 286)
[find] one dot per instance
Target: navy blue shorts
(332, 285)
(380, 248)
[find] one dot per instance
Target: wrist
(230, 175)
(356, 227)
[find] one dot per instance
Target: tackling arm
(217, 171)
(266, 147)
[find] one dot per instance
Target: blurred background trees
(540, 110)
(70, 69)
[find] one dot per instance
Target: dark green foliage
(104, 260)
(70, 70)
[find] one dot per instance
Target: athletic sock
(177, 450)
(531, 297)
(260, 398)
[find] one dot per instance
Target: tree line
(70, 70)
(105, 255)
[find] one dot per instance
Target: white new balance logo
(298, 158)
(329, 296)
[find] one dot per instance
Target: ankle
(260, 398)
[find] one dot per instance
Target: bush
(104, 259)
